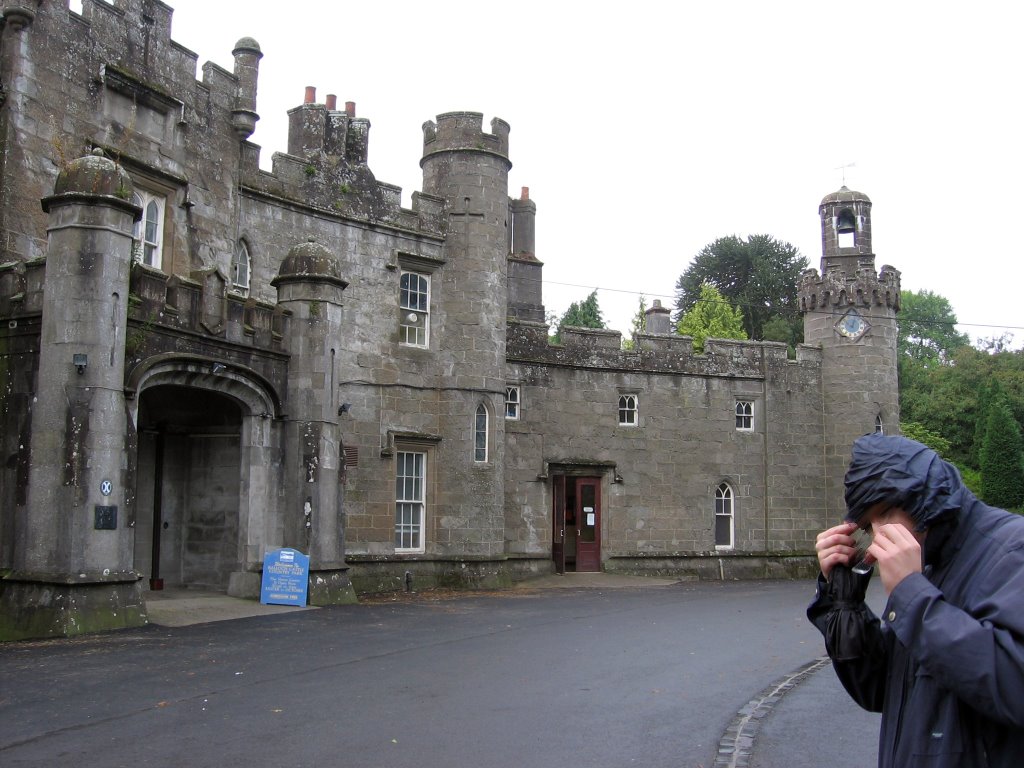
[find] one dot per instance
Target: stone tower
(468, 169)
(850, 311)
(73, 570)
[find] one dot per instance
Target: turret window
(724, 518)
(480, 435)
(846, 229)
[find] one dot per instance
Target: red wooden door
(588, 524)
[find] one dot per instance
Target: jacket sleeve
(864, 678)
(978, 652)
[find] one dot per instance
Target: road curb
(737, 743)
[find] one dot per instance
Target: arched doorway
(188, 485)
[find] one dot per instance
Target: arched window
(846, 229)
(879, 428)
(629, 410)
(241, 267)
(148, 231)
(480, 434)
(724, 518)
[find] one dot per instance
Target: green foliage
(1002, 459)
(759, 275)
(582, 314)
(952, 399)
(711, 316)
(922, 434)
(971, 478)
(927, 328)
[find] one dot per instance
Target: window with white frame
(414, 305)
(480, 434)
(410, 500)
(724, 517)
(879, 427)
(241, 267)
(629, 410)
(512, 402)
(148, 233)
(744, 415)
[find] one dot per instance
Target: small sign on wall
(285, 578)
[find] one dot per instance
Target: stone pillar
(309, 285)
(74, 552)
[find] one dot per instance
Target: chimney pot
(332, 102)
(350, 108)
(525, 194)
(310, 95)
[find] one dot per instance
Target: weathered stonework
(264, 354)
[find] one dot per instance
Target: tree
(1002, 459)
(582, 314)
(923, 435)
(711, 317)
(927, 328)
(759, 275)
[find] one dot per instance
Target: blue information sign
(285, 578)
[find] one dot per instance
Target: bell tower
(850, 312)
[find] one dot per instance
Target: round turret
(247, 45)
(311, 262)
(94, 174)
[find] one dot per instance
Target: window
(878, 425)
(512, 402)
(480, 434)
(723, 517)
(414, 305)
(410, 500)
(149, 230)
(628, 414)
(240, 267)
(744, 415)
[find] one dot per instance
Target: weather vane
(843, 169)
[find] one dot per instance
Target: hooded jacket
(946, 660)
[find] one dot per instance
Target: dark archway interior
(188, 484)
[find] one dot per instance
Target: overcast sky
(646, 130)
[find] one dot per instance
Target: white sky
(646, 130)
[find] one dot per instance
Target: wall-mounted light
(80, 361)
(343, 408)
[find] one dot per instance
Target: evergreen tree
(711, 316)
(1002, 459)
(581, 314)
(759, 275)
(638, 325)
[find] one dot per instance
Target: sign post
(285, 578)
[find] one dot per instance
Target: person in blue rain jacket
(945, 664)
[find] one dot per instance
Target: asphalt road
(647, 677)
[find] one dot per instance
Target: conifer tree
(711, 316)
(1002, 459)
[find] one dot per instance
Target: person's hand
(835, 547)
(897, 552)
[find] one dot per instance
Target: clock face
(852, 325)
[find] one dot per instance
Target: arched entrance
(188, 483)
(204, 478)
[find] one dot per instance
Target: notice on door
(285, 578)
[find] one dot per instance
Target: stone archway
(204, 473)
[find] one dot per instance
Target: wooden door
(558, 521)
(588, 524)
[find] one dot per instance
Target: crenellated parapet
(866, 288)
(463, 132)
(590, 348)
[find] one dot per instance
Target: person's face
(884, 513)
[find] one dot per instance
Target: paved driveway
(637, 676)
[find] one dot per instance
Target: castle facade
(202, 361)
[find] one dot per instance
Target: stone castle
(202, 362)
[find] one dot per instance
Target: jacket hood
(904, 473)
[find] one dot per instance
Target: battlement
(463, 132)
(865, 288)
(527, 342)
